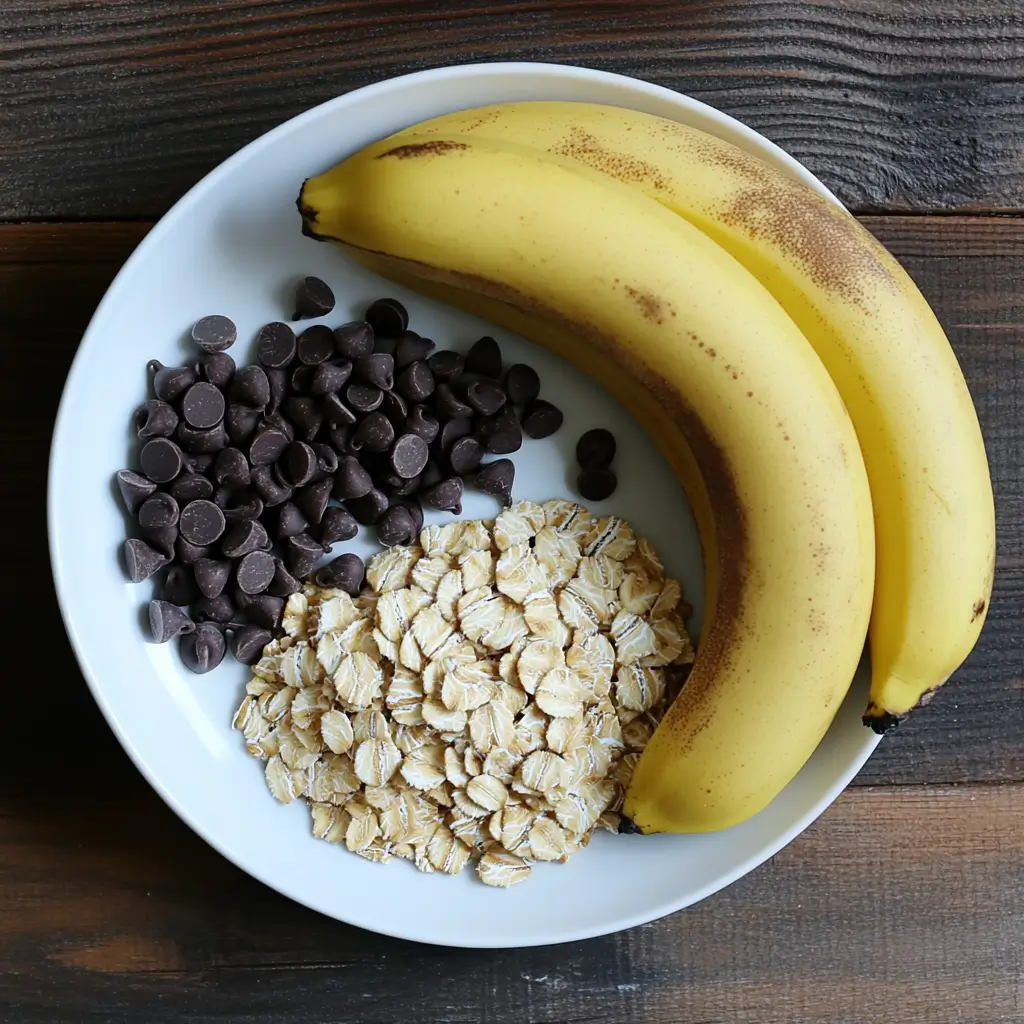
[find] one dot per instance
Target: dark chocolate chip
(401, 487)
(345, 573)
(369, 507)
(254, 572)
(416, 382)
(448, 405)
(326, 459)
(251, 386)
(484, 357)
(431, 474)
(158, 511)
(522, 384)
(216, 609)
(214, 333)
(202, 464)
(501, 433)
(301, 553)
(465, 454)
(231, 467)
(496, 479)
(167, 621)
(301, 378)
(263, 610)
(141, 560)
(188, 487)
(336, 525)
(299, 464)
(223, 496)
(279, 383)
(351, 479)
(363, 397)
(202, 650)
(247, 644)
(290, 521)
(134, 488)
(306, 415)
(595, 449)
(275, 345)
(315, 345)
(377, 369)
(170, 382)
(415, 510)
(313, 297)
(312, 500)
(411, 348)
(277, 421)
(180, 586)
(422, 423)
(201, 441)
(163, 538)
(596, 484)
(329, 378)
(202, 522)
(240, 422)
(409, 455)
(161, 460)
(541, 419)
(354, 340)
(155, 419)
(446, 364)
(388, 318)
(374, 434)
(395, 527)
(218, 368)
(267, 486)
(445, 496)
(338, 414)
(267, 447)
(244, 538)
(393, 406)
(188, 553)
(452, 431)
(484, 397)
(284, 584)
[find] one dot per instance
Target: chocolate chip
(326, 459)
(170, 382)
(240, 422)
(388, 318)
(393, 406)
(377, 369)
(254, 572)
(329, 378)
(284, 584)
(409, 455)
(354, 340)
(300, 380)
(313, 297)
(202, 650)
(155, 419)
(337, 524)
(541, 419)
(496, 479)
(268, 488)
(299, 464)
(374, 434)
(501, 433)
(231, 467)
(159, 511)
(596, 484)
(201, 442)
(465, 454)
(364, 397)
(167, 621)
(415, 510)
(446, 364)
(188, 487)
(484, 357)
(134, 488)
(162, 538)
(301, 553)
(401, 487)
(452, 431)
(411, 348)
(445, 496)
(395, 526)
(421, 423)
(263, 610)
(351, 480)
(202, 464)
(279, 384)
(345, 573)
(214, 333)
(290, 521)
(275, 345)
(201, 523)
(161, 460)
(522, 384)
(448, 405)
(267, 447)
(484, 397)
(141, 560)
(217, 609)
(245, 538)
(368, 508)
(312, 500)
(416, 382)
(179, 586)
(188, 553)
(337, 413)
(218, 368)
(431, 474)
(315, 345)
(277, 421)
(251, 387)
(595, 450)
(247, 644)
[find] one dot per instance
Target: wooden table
(905, 902)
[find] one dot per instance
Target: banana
(876, 335)
(773, 443)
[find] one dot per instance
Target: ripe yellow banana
(774, 445)
(876, 335)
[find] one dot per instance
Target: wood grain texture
(898, 905)
(114, 109)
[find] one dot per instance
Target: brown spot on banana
(418, 150)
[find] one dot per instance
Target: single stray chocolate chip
(167, 621)
(141, 560)
(388, 318)
(313, 297)
(541, 419)
(445, 496)
(496, 479)
(595, 449)
(214, 333)
(522, 384)
(345, 573)
(484, 357)
(248, 642)
(596, 484)
(134, 488)
(203, 649)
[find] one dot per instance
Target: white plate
(232, 245)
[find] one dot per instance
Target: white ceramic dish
(232, 245)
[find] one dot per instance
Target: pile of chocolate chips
(248, 475)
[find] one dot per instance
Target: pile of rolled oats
(486, 696)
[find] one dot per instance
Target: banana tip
(881, 723)
(627, 828)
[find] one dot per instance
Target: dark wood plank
(51, 277)
(114, 109)
(899, 905)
